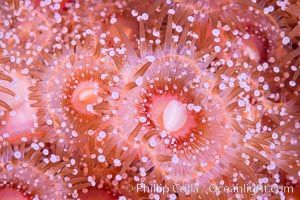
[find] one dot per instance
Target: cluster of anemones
(119, 99)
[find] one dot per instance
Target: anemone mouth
(173, 151)
(162, 97)
(167, 111)
(84, 95)
(80, 102)
(87, 89)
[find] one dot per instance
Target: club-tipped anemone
(28, 170)
(279, 129)
(245, 25)
(24, 32)
(17, 117)
(81, 86)
(192, 10)
(114, 12)
(179, 115)
(273, 65)
(243, 98)
(261, 115)
(284, 146)
(113, 151)
(70, 22)
(279, 82)
(287, 17)
(99, 18)
(159, 118)
(108, 163)
(259, 35)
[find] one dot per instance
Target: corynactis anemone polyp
(98, 18)
(256, 40)
(27, 169)
(154, 94)
(109, 13)
(108, 163)
(178, 117)
(81, 85)
(19, 31)
(16, 105)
